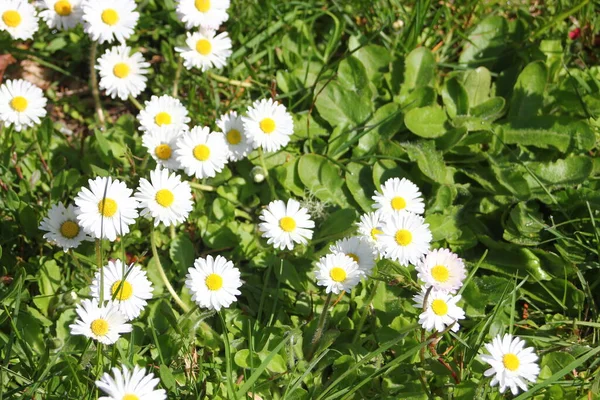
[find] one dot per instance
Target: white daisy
(108, 20)
(165, 197)
(204, 13)
(440, 311)
(22, 104)
(512, 363)
(337, 272)
(399, 195)
(104, 324)
(213, 283)
(268, 125)
(205, 49)
(126, 385)
(405, 237)
(442, 269)
(283, 225)
(122, 74)
(162, 146)
(357, 249)
(106, 209)
(201, 153)
(18, 18)
(61, 14)
(369, 227)
(62, 227)
(128, 288)
(163, 114)
(237, 141)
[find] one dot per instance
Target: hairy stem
(320, 327)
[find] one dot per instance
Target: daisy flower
(268, 125)
(104, 324)
(399, 195)
(440, 311)
(283, 225)
(106, 209)
(108, 20)
(161, 146)
(163, 114)
(165, 197)
(205, 49)
(18, 18)
(369, 227)
(22, 104)
(128, 288)
(237, 141)
(405, 237)
(204, 13)
(337, 272)
(122, 74)
(213, 282)
(512, 363)
(61, 14)
(201, 153)
(62, 227)
(126, 385)
(442, 269)
(358, 250)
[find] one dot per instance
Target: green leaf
(477, 83)
(322, 178)
(429, 161)
(455, 98)
(427, 122)
(561, 133)
(352, 75)
(167, 378)
(182, 252)
(569, 171)
(490, 109)
(527, 98)
(386, 121)
(419, 70)
(375, 58)
(339, 106)
(360, 183)
(486, 42)
(337, 223)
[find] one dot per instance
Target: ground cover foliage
(491, 109)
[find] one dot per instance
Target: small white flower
(213, 283)
(106, 209)
(369, 227)
(163, 114)
(337, 272)
(205, 49)
(108, 20)
(512, 363)
(162, 146)
(399, 195)
(442, 269)
(283, 225)
(127, 287)
(18, 18)
(201, 153)
(122, 74)
(62, 227)
(204, 13)
(405, 237)
(440, 311)
(357, 249)
(126, 385)
(165, 197)
(268, 125)
(21, 104)
(62, 14)
(104, 324)
(235, 136)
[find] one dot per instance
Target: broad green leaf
(375, 58)
(322, 178)
(477, 83)
(455, 98)
(360, 183)
(352, 75)
(386, 169)
(429, 161)
(386, 121)
(337, 105)
(490, 109)
(561, 133)
(486, 42)
(182, 252)
(337, 223)
(419, 70)
(507, 259)
(427, 122)
(569, 171)
(527, 98)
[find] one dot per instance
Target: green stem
(264, 167)
(177, 77)
(365, 313)
(99, 264)
(172, 231)
(233, 82)
(136, 103)
(199, 186)
(94, 85)
(320, 327)
(232, 392)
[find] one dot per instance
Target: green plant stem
(320, 327)
(230, 387)
(94, 85)
(172, 231)
(177, 78)
(98, 249)
(261, 157)
(204, 188)
(365, 313)
(136, 103)
(233, 82)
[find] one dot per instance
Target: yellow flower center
(201, 152)
(107, 207)
(337, 274)
(165, 197)
(353, 256)
(202, 5)
(11, 18)
(214, 282)
(203, 47)
(69, 229)
(398, 203)
(63, 8)
(511, 362)
(234, 136)
(99, 327)
(130, 397)
(439, 307)
(121, 291)
(287, 224)
(440, 273)
(110, 16)
(163, 151)
(121, 70)
(375, 232)
(403, 237)
(162, 118)
(267, 125)
(19, 103)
